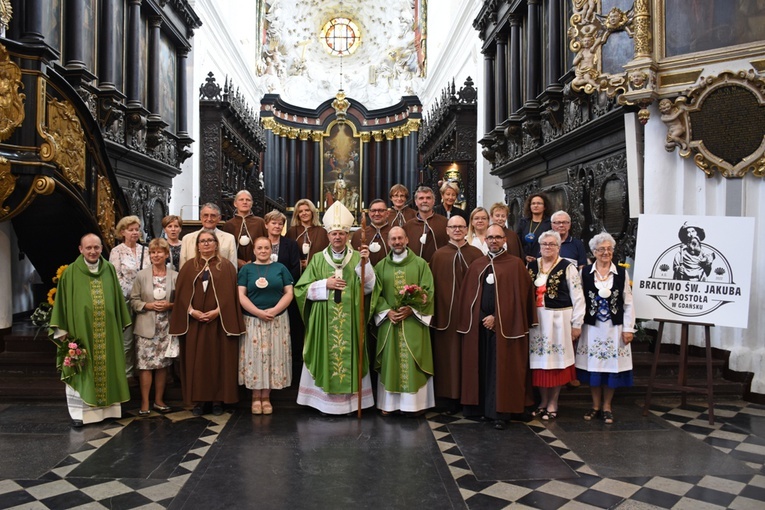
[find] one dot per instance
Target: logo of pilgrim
(691, 278)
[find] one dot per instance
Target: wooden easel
(682, 376)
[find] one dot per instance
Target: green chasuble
(90, 307)
(331, 344)
(404, 356)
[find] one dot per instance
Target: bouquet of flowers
(413, 296)
(41, 316)
(71, 357)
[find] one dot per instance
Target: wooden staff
(362, 321)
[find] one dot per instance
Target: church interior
(613, 108)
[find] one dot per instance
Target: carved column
(183, 95)
(132, 56)
(500, 78)
(292, 171)
(152, 85)
(389, 175)
(74, 57)
(316, 192)
(533, 53)
(282, 168)
(554, 35)
(381, 191)
(33, 21)
(303, 177)
(515, 63)
(366, 195)
(488, 106)
(106, 61)
(399, 151)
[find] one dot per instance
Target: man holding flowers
(404, 307)
(88, 317)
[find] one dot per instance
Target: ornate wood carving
(11, 98)
(106, 216)
(68, 141)
(7, 185)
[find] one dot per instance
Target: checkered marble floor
(57, 490)
(592, 491)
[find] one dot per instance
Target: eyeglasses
(206, 241)
(494, 238)
(561, 222)
(548, 245)
(457, 227)
(377, 211)
(604, 250)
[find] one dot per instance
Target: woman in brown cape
(209, 321)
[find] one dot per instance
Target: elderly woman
(128, 258)
(603, 356)
(245, 227)
(208, 320)
(478, 224)
(306, 230)
(152, 301)
(535, 220)
(400, 212)
(570, 248)
(172, 225)
(265, 354)
(560, 309)
(450, 190)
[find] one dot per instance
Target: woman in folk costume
(209, 320)
(329, 294)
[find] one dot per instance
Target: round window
(340, 36)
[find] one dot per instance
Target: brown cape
(317, 236)
(256, 227)
(515, 314)
(436, 239)
(448, 273)
(374, 258)
(514, 246)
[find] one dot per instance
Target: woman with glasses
(535, 220)
(570, 248)
(208, 320)
(560, 310)
(604, 356)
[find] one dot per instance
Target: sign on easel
(694, 269)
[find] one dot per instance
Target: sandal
(267, 407)
(540, 411)
(593, 413)
(608, 417)
(549, 415)
(257, 407)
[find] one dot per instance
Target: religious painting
(421, 34)
(341, 167)
(702, 25)
(51, 25)
(167, 85)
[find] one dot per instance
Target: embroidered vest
(557, 294)
(615, 301)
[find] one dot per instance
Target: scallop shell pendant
(374, 247)
(306, 248)
(274, 257)
(540, 281)
(244, 241)
(423, 238)
(261, 283)
(490, 279)
(604, 293)
(159, 294)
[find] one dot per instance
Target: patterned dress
(150, 352)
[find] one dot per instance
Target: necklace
(605, 292)
(532, 233)
(541, 278)
(261, 282)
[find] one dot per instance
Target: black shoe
(524, 417)
(217, 409)
(77, 424)
(198, 410)
(499, 424)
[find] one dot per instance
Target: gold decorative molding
(65, 144)
(41, 185)
(341, 105)
(7, 185)
(721, 122)
(11, 98)
(6, 14)
(106, 215)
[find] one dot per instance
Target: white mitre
(338, 217)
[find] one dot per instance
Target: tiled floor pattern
(591, 491)
(55, 490)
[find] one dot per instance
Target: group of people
(425, 306)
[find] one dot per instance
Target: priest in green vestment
(90, 309)
(328, 295)
(404, 292)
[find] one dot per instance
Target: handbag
(173, 348)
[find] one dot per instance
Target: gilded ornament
(106, 215)
(68, 140)
(6, 13)
(7, 185)
(11, 99)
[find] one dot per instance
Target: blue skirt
(619, 380)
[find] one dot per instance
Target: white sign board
(694, 269)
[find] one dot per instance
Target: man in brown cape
(496, 380)
(376, 232)
(449, 265)
(245, 227)
(426, 231)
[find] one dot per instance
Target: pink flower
(72, 345)
(78, 352)
(71, 352)
(67, 362)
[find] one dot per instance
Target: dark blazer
(456, 211)
(289, 256)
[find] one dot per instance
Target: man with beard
(209, 216)
(427, 230)
(496, 380)
(404, 358)
(328, 296)
(245, 227)
(693, 262)
(376, 233)
(449, 265)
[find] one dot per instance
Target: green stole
(404, 356)
(332, 329)
(90, 308)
